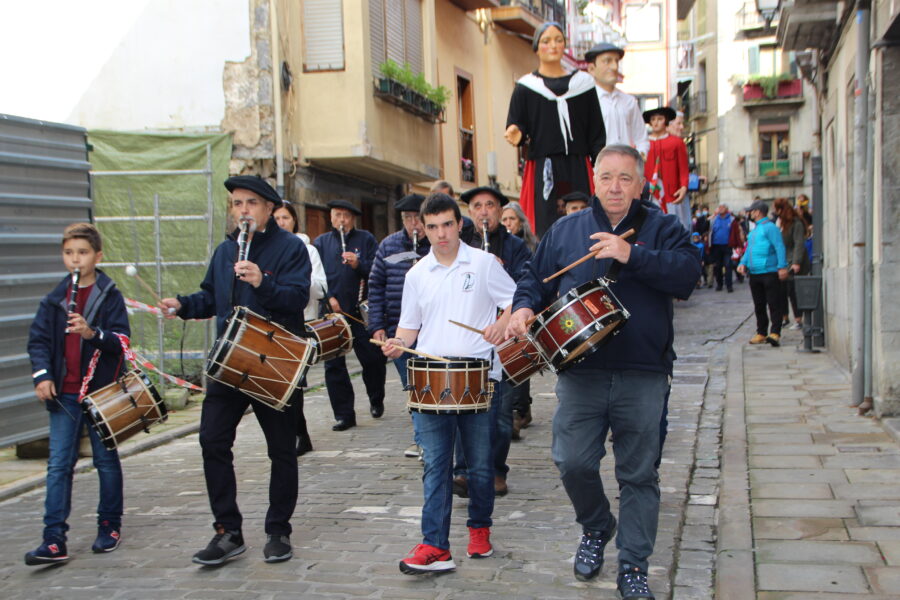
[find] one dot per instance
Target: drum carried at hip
(260, 358)
(124, 407)
(455, 386)
(332, 337)
(581, 321)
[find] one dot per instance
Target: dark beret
(602, 48)
(668, 113)
(469, 194)
(346, 205)
(255, 184)
(576, 197)
(410, 202)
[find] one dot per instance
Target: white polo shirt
(469, 291)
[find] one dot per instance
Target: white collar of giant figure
(579, 84)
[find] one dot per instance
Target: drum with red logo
(578, 323)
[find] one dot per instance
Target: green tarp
(135, 240)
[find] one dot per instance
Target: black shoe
(108, 537)
(278, 548)
(343, 424)
(632, 583)
(730, 290)
(224, 545)
(51, 552)
(718, 288)
(589, 557)
(461, 486)
(377, 409)
(304, 445)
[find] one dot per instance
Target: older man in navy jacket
(273, 282)
(622, 385)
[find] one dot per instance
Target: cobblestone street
(360, 500)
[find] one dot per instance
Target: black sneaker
(304, 445)
(51, 552)
(224, 545)
(278, 548)
(108, 538)
(589, 557)
(632, 583)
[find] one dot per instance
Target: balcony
(773, 91)
(696, 107)
(806, 26)
(750, 23)
(475, 4)
(525, 16)
(774, 172)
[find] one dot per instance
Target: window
(774, 147)
(395, 31)
(643, 22)
(764, 60)
(465, 102)
(323, 35)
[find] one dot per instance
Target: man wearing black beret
(273, 282)
(347, 254)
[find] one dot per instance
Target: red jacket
(673, 166)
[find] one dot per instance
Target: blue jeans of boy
(437, 435)
(502, 415)
(66, 422)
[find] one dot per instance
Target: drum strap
(612, 274)
(92, 366)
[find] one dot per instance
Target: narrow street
(360, 499)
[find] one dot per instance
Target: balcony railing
(696, 105)
(774, 171)
(749, 19)
(546, 10)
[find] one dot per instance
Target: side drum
(521, 359)
(457, 387)
(333, 337)
(260, 358)
(124, 407)
(578, 323)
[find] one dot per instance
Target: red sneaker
(426, 559)
(479, 542)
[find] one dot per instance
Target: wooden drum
(457, 387)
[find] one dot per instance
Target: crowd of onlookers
(767, 245)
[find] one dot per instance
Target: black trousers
(337, 379)
(222, 410)
(720, 258)
(521, 397)
(766, 291)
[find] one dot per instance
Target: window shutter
(753, 59)
(376, 35)
(323, 35)
(395, 38)
(413, 37)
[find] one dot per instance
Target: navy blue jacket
(343, 280)
(663, 264)
(282, 295)
(510, 249)
(104, 312)
(386, 281)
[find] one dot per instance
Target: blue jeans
(400, 364)
(591, 402)
(64, 436)
(502, 416)
(436, 435)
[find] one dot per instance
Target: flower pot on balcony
(753, 91)
(397, 88)
(384, 85)
(790, 89)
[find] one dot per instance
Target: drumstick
(464, 326)
(587, 256)
(352, 317)
(410, 350)
(132, 270)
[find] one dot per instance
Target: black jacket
(386, 281)
(104, 312)
(343, 280)
(282, 295)
(510, 249)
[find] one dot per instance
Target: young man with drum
(82, 317)
(468, 285)
(273, 282)
(347, 253)
(622, 385)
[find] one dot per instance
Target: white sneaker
(413, 451)
(796, 326)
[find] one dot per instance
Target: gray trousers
(591, 403)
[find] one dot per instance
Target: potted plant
(406, 78)
(771, 86)
(439, 97)
(390, 71)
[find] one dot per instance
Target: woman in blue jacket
(765, 260)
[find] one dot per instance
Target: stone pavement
(360, 500)
(824, 483)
